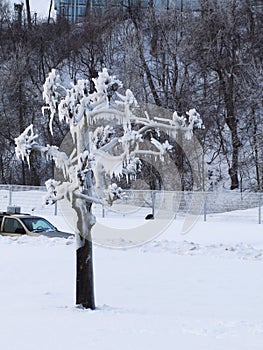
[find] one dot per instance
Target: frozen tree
(97, 152)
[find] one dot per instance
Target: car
(26, 224)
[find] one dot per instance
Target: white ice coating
(91, 118)
(24, 143)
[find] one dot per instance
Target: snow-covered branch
(51, 95)
(112, 193)
(25, 142)
(186, 124)
(87, 198)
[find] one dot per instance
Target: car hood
(56, 234)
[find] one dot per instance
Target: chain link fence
(135, 202)
(29, 198)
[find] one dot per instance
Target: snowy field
(202, 290)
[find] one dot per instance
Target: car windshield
(36, 224)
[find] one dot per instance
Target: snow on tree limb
(112, 193)
(51, 96)
(113, 165)
(25, 142)
(172, 126)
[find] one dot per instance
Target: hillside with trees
(210, 60)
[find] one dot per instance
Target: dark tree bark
(28, 13)
(49, 12)
(145, 66)
(85, 281)
(84, 268)
(231, 121)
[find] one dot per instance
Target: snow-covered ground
(202, 290)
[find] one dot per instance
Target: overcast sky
(40, 6)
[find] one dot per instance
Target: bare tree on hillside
(222, 52)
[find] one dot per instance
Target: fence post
(56, 208)
(205, 208)
(10, 195)
(153, 202)
(259, 208)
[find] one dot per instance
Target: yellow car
(23, 224)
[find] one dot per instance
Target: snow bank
(198, 291)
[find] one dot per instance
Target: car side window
(12, 225)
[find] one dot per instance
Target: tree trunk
(180, 159)
(255, 147)
(85, 281)
(49, 12)
(227, 84)
(233, 171)
(84, 257)
(28, 13)
(145, 66)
